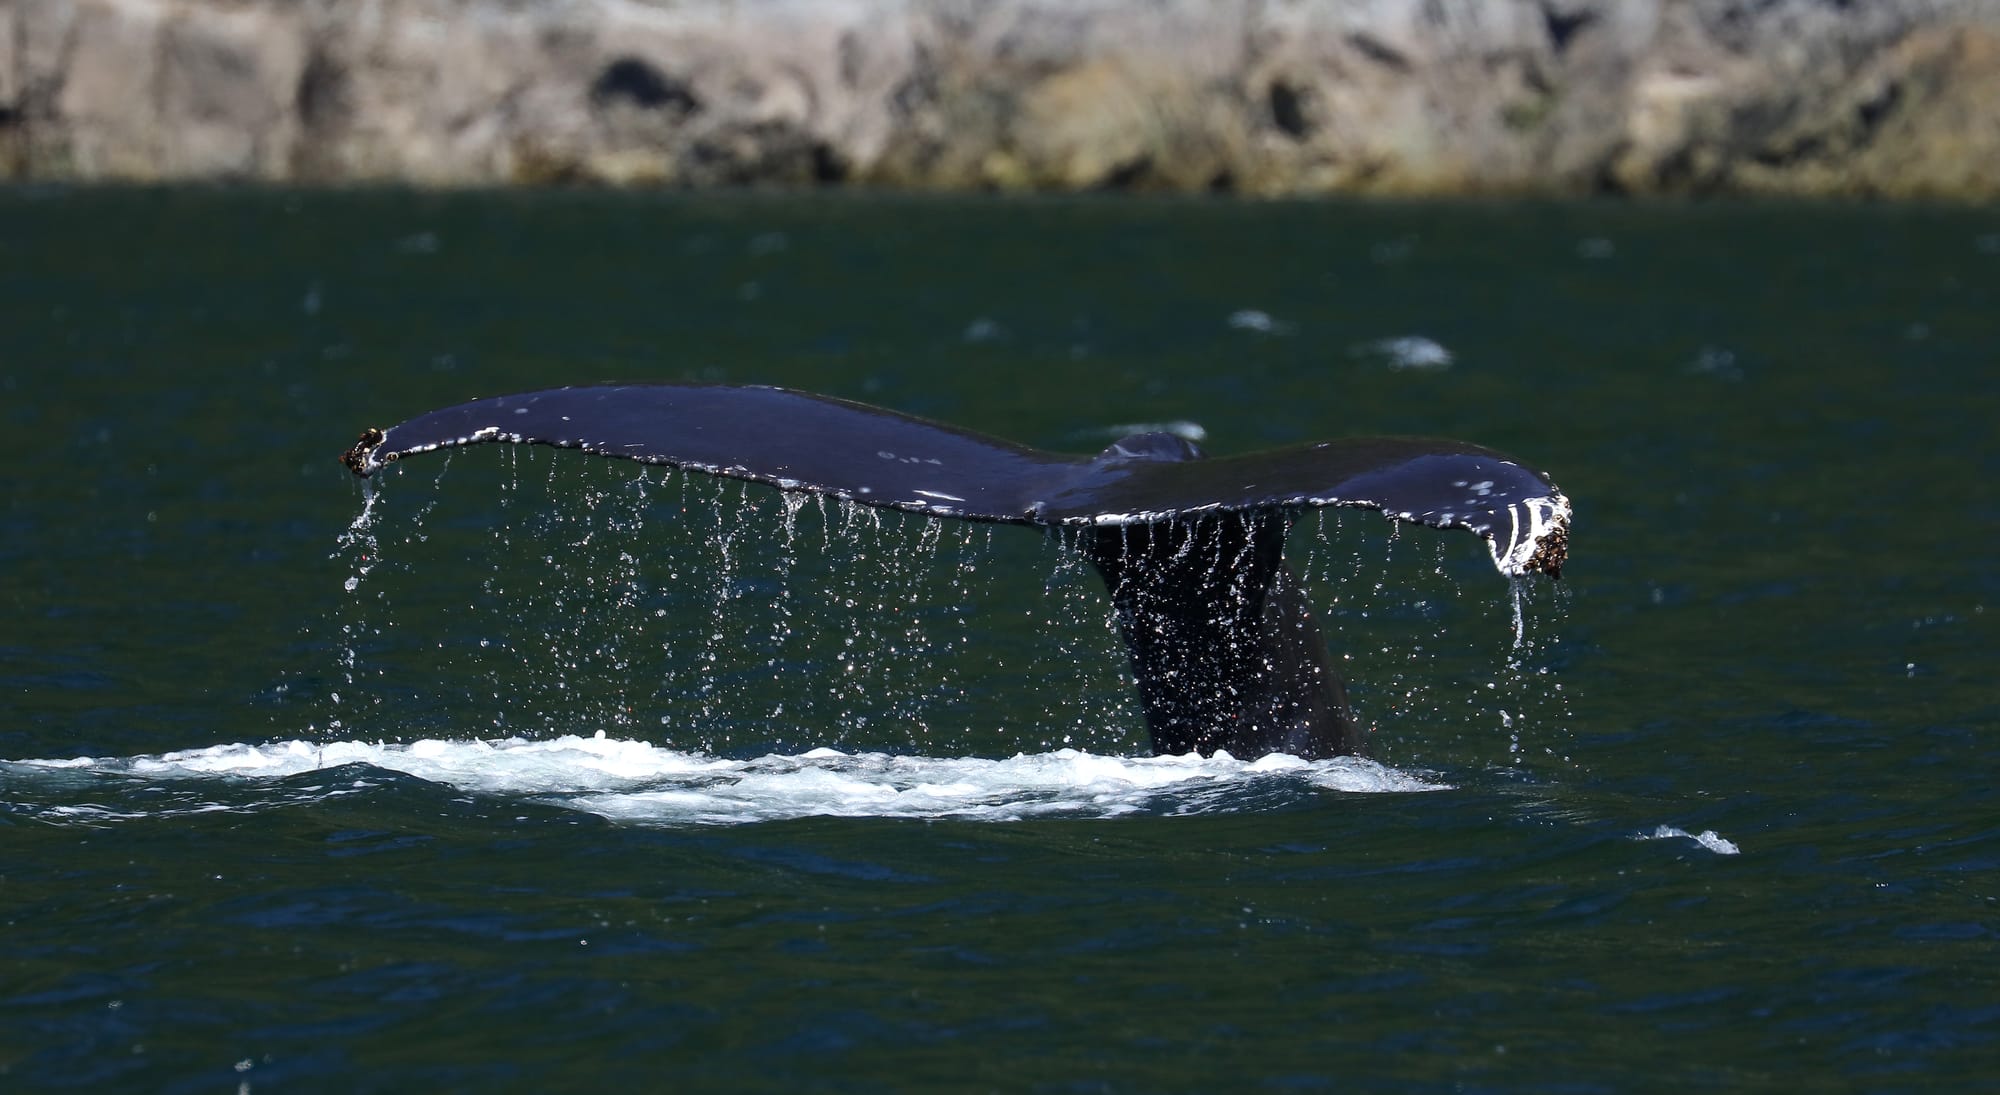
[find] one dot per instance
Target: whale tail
(1222, 639)
(1224, 646)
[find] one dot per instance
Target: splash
(639, 782)
(1707, 838)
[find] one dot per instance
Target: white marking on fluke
(1546, 517)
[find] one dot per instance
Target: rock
(1887, 98)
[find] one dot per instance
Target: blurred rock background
(1896, 98)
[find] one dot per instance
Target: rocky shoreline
(1890, 98)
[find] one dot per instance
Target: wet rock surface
(1307, 97)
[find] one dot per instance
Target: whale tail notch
(1223, 642)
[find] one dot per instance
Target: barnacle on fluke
(356, 458)
(1551, 551)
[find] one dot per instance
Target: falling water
(589, 595)
(712, 614)
(1438, 661)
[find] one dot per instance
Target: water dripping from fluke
(1225, 648)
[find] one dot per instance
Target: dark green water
(1775, 424)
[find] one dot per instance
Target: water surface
(642, 779)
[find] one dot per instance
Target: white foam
(1407, 352)
(1261, 322)
(1707, 838)
(641, 782)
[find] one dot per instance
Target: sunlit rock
(1397, 96)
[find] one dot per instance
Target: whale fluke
(1223, 643)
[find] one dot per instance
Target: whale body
(1223, 642)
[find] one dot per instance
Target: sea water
(552, 773)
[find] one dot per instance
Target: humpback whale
(1222, 639)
